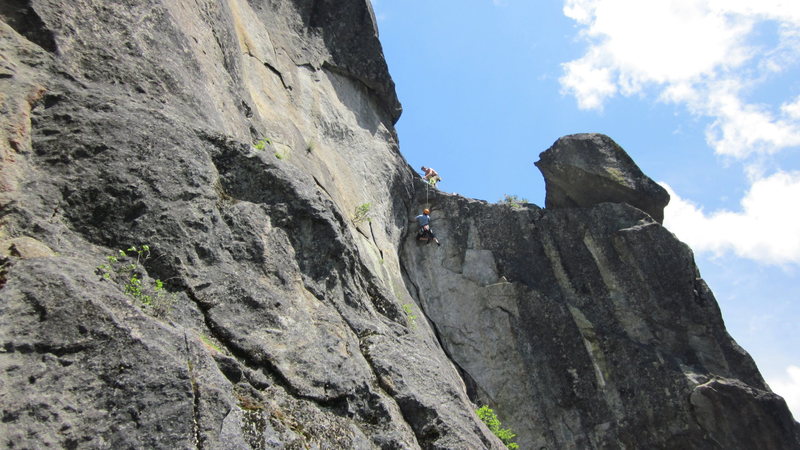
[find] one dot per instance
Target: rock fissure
(271, 68)
(46, 348)
(195, 396)
(323, 188)
(386, 388)
(242, 355)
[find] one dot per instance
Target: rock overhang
(583, 170)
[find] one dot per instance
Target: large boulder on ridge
(582, 170)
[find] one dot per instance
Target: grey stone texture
(237, 139)
(582, 170)
(138, 123)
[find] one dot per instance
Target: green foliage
(488, 417)
(209, 343)
(514, 201)
(134, 288)
(125, 268)
(261, 144)
(362, 213)
(412, 318)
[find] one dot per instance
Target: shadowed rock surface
(238, 140)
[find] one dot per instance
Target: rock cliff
(206, 242)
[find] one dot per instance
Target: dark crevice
(22, 17)
(374, 241)
(40, 348)
(505, 310)
(5, 264)
(422, 419)
(272, 69)
(37, 306)
(229, 367)
(322, 187)
(195, 395)
(227, 58)
(278, 73)
(362, 233)
(246, 109)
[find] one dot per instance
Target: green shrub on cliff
(362, 213)
(490, 419)
(514, 201)
(261, 144)
(412, 318)
(125, 268)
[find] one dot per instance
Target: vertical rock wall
(237, 140)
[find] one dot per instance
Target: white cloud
(789, 389)
(700, 53)
(740, 130)
(792, 109)
(659, 42)
(590, 82)
(767, 229)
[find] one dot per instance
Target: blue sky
(703, 94)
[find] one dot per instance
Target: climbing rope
(427, 186)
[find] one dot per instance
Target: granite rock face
(582, 170)
(235, 139)
(250, 145)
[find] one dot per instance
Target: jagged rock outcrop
(589, 328)
(250, 145)
(582, 170)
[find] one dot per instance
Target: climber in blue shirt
(425, 232)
